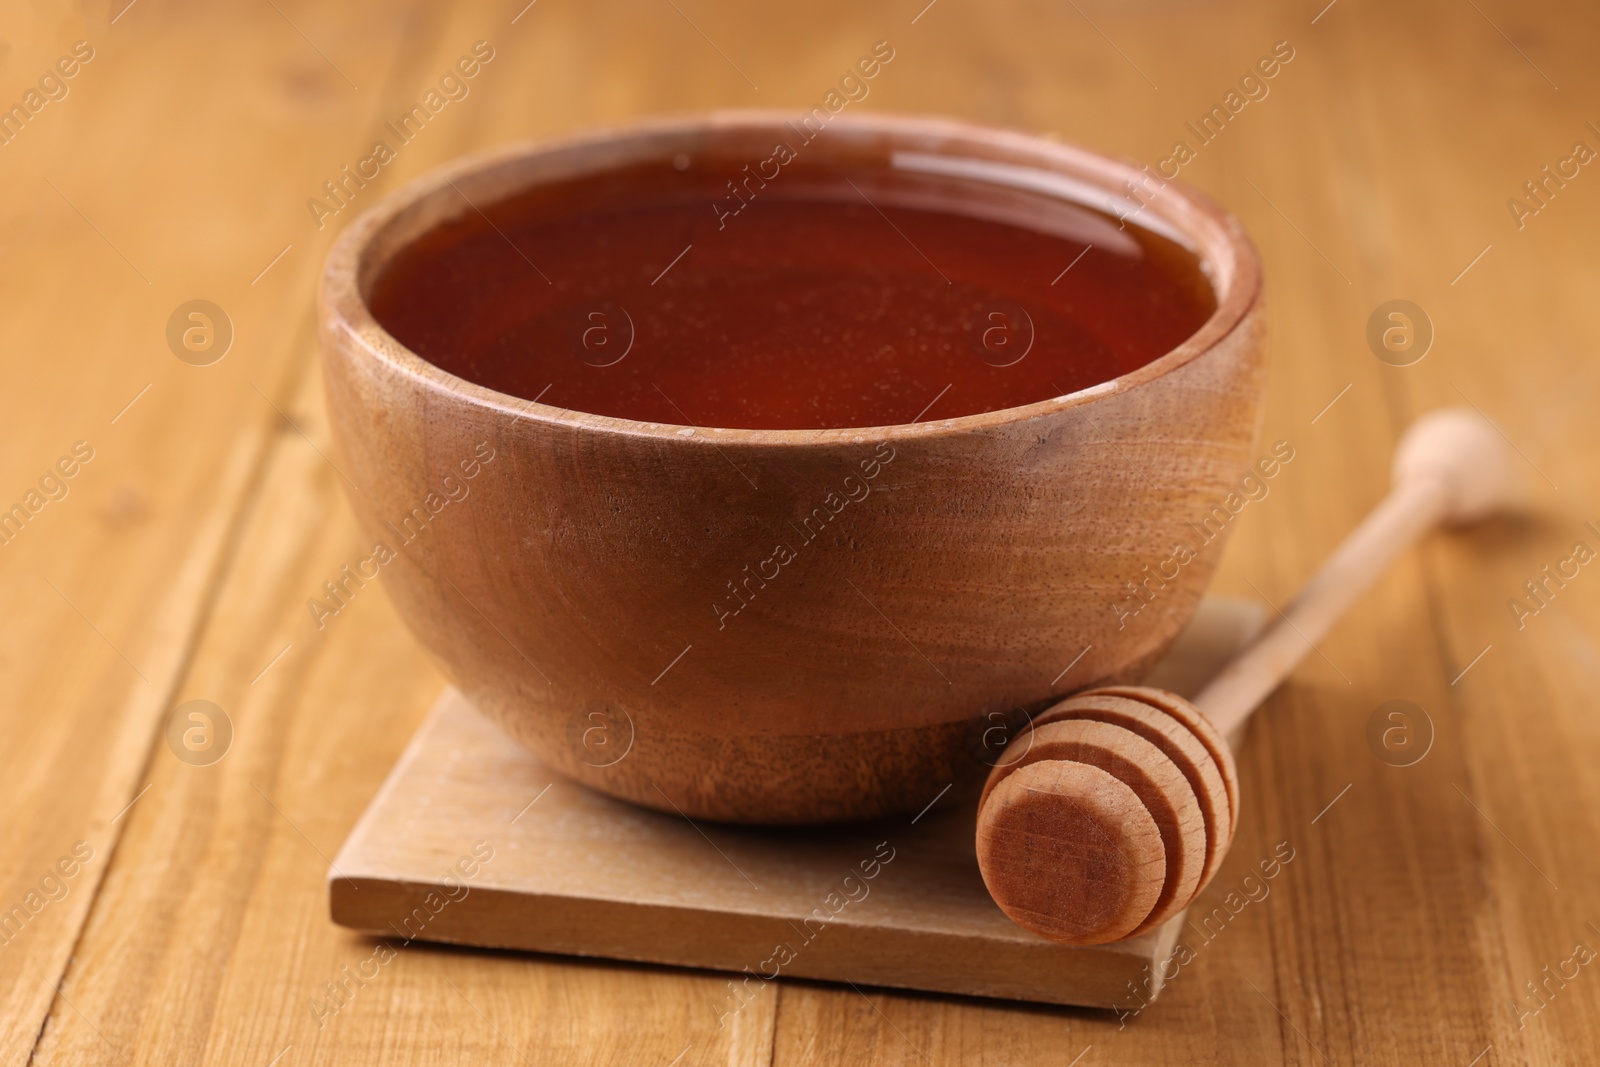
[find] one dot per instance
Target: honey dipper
(1121, 801)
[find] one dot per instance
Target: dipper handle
(1452, 467)
(1119, 808)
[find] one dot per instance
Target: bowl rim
(1217, 235)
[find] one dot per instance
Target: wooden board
(472, 841)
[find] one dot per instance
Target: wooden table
(193, 927)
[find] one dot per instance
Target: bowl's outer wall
(580, 591)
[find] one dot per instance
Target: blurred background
(161, 152)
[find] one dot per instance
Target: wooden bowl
(570, 592)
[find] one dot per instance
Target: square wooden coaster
(472, 841)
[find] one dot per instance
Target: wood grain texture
(105, 586)
(1081, 851)
(1416, 907)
